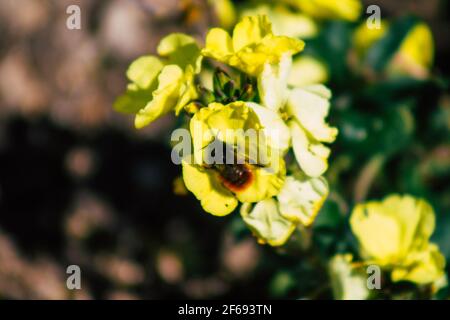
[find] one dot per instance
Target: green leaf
(368, 133)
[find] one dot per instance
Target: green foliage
(382, 51)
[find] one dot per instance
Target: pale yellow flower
(395, 234)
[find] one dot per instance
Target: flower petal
(367, 221)
(181, 50)
(274, 128)
(272, 83)
(266, 182)
(307, 70)
(426, 266)
(219, 45)
(266, 222)
(284, 21)
(311, 155)
(144, 71)
(250, 30)
(310, 106)
(165, 97)
(301, 198)
(347, 282)
(206, 187)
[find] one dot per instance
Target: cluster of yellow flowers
(303, 19)
(297, 19)
(278, 96)
(275, 198)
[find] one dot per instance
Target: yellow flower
(284, 21)
(395, 234)
(349, 10)
(160, 85)
(219, 185)
(251, 47)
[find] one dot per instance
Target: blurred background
(79, 185)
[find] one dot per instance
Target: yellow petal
(188, 92)
(311, 155)
(206, 187)
(165, 97)
(285, 22)
(310, 106)
(419, 45)
(414, 216)
(274, 128)
(181, 50)
(279, 45)
(218, 45)
(266, 222)
(272, 83)
(301, 198)
(307, 70)
(250, 30)
(378, 233)
(416, 53)
(347, 282)
(265, 183)
(425, 267)
(144, 71)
